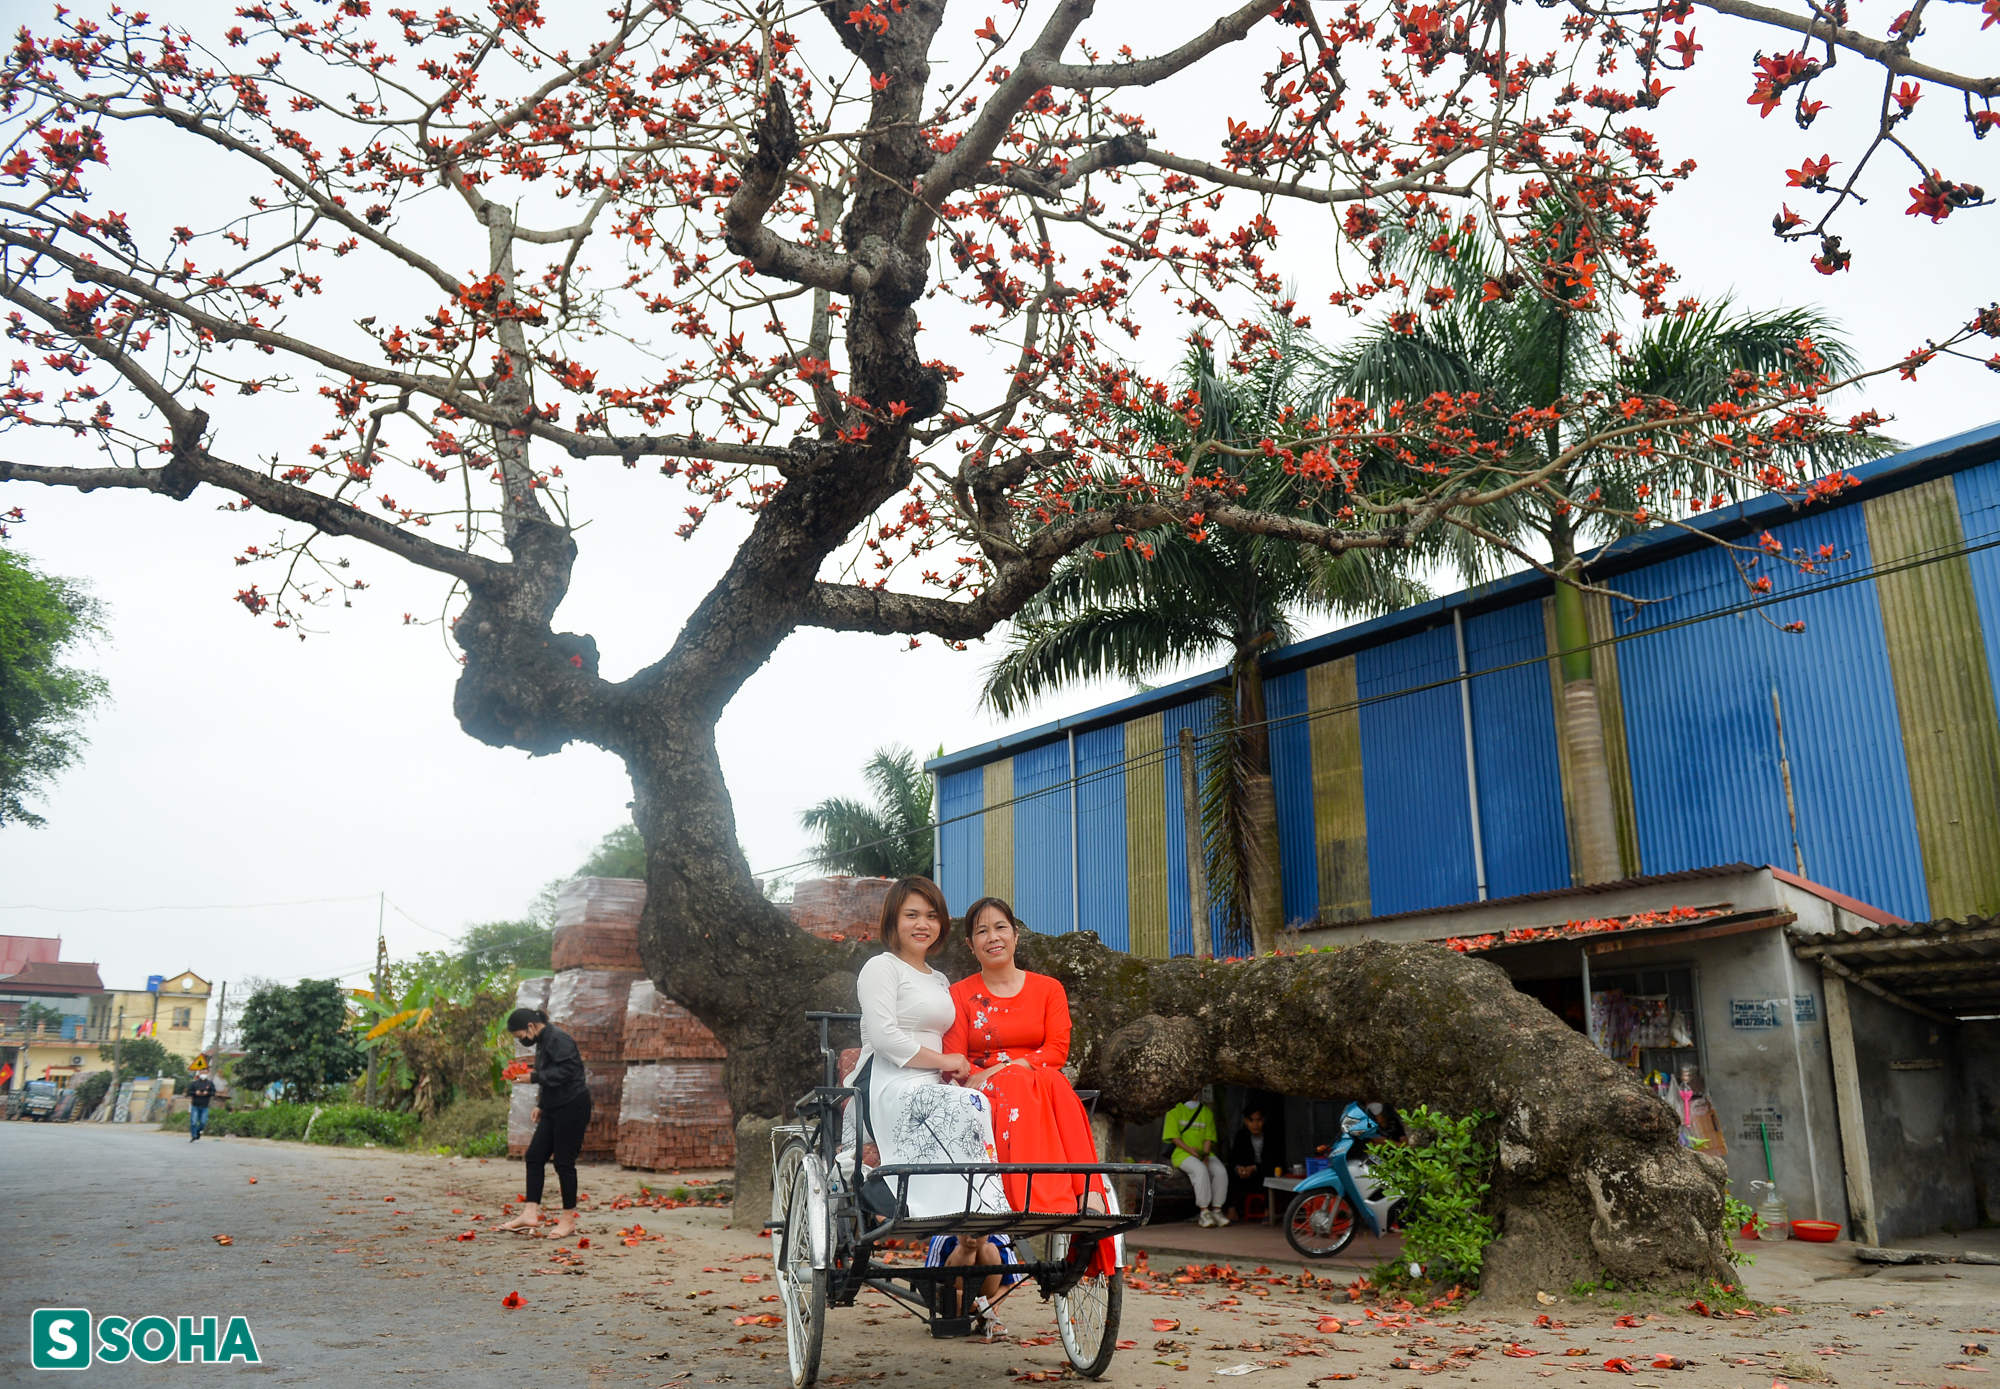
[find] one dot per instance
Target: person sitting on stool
(1248, 1163)
(1189, 1134)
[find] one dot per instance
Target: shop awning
(1603, 935)
(1943, 970)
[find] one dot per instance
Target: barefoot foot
(528, 1219)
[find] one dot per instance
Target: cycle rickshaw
(832, 1218)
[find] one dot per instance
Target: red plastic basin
(1815, 1231)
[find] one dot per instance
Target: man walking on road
(199, 1094)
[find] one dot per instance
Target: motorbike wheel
(1320, 1223)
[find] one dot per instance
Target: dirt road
(351, 1265)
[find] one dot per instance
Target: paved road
(122, 1219)
(343, 1287)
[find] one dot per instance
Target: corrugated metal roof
(1938, 458)
(1724, 870)
(1948, 968)
(1515, 740)
(1292, 787)
(1717, 789)
(1103, 892)
(1419, 814)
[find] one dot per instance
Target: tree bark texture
(1596, 813)
(1265, 910)
(1200, 926)
(1590, 1179)
(1591, 799)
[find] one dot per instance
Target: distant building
(35, 982)
(171, 1009)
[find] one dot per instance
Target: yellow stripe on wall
(1944, 697)
(1146, 836)
(1340, 818)
(999, 791)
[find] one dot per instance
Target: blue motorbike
(1328, 1206)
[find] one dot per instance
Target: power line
(203, 907)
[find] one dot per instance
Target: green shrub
(473, 1122)
(90, 1090)
(352, 1125)
(349, 1125)
(175, 1123)
(1442, 1177)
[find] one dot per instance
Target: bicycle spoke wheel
(1087, 1315)
(1319, 1224)
(801, 1287)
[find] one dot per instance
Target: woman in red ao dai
(1012, 1027)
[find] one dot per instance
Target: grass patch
(470, 1127)
(337, 1125)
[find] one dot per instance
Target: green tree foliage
(1442, 1175)
(1171, 597)
(144, 1056)
(890, 838)
(301, 1036)
(620, 854)
(1519, 351)
(40, 1015)
(437, 1028)
(90, 1090)
(525, 945)
(42, 701)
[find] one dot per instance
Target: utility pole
(221, 1007)
(117, 1048)
(1197, 859)
(381, 971)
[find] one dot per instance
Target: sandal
(984, 1324)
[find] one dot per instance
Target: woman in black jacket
(562, 1113)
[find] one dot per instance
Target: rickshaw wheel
(802, 1288)
(1087, 1315)
(1320, 1223)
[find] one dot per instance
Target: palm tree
(889, 839)
(1166, 599)
(1522, 350)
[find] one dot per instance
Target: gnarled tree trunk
(1591, 1179)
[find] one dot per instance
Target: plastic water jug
(1774, 1217)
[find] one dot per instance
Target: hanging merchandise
(1649, 1019)
(1680, 1029)
(1699, 1126)
(1612, 1021)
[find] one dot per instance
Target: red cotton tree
(466, 232)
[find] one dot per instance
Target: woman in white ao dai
(915, 1116)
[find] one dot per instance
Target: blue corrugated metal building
(1882, 711)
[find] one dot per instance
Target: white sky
(236, 765)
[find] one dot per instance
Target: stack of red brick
(655, 1072)
(840, 908)
(596, 957)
